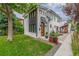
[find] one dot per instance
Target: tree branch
(2, 10)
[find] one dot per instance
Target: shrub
(75, 44)
(17, 26)
(77, 27)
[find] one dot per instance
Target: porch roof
(60, 24)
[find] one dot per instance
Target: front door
(42, 29)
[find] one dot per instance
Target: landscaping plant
(75, 44)
(75, 41)
(17, 26)
(54, 37)
(51, 37)
(46, 35)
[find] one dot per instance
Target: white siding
(26, 28)
(26, 25)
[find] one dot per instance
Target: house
(19, 16)
(39, 21)
(63, 26)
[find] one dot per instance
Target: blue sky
(56, 7)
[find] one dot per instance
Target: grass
(75, 44)
(22, 46)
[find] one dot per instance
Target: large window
(32, 28)
(33, 21)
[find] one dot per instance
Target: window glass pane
(32, 21)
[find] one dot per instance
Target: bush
(75, 44)
(3, 24)
(17, 26)
(77, 27)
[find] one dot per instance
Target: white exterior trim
(52, 22)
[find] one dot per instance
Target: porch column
(38, 23)
(26, 25)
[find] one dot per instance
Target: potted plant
(55, 37)
(51, 37)
(46, 36)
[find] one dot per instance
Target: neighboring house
(39, 21)
(19, 16)
(63, 26)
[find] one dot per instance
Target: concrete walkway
(65, 48)
(61, 38)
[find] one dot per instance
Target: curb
(53, 50)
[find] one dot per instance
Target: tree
(8, 9)
(3, 24)
(72, 10)
(17, 26)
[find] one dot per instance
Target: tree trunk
(10, 28)
(10, 23)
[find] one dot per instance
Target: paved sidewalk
(65, 48)
(53, 50)
(62, 37)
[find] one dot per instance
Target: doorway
(42, 29)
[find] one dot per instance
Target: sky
(56, 7)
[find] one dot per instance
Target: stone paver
(65, 48)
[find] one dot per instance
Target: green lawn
(75, 44)
(22, 46)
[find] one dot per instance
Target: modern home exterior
(40, 21)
